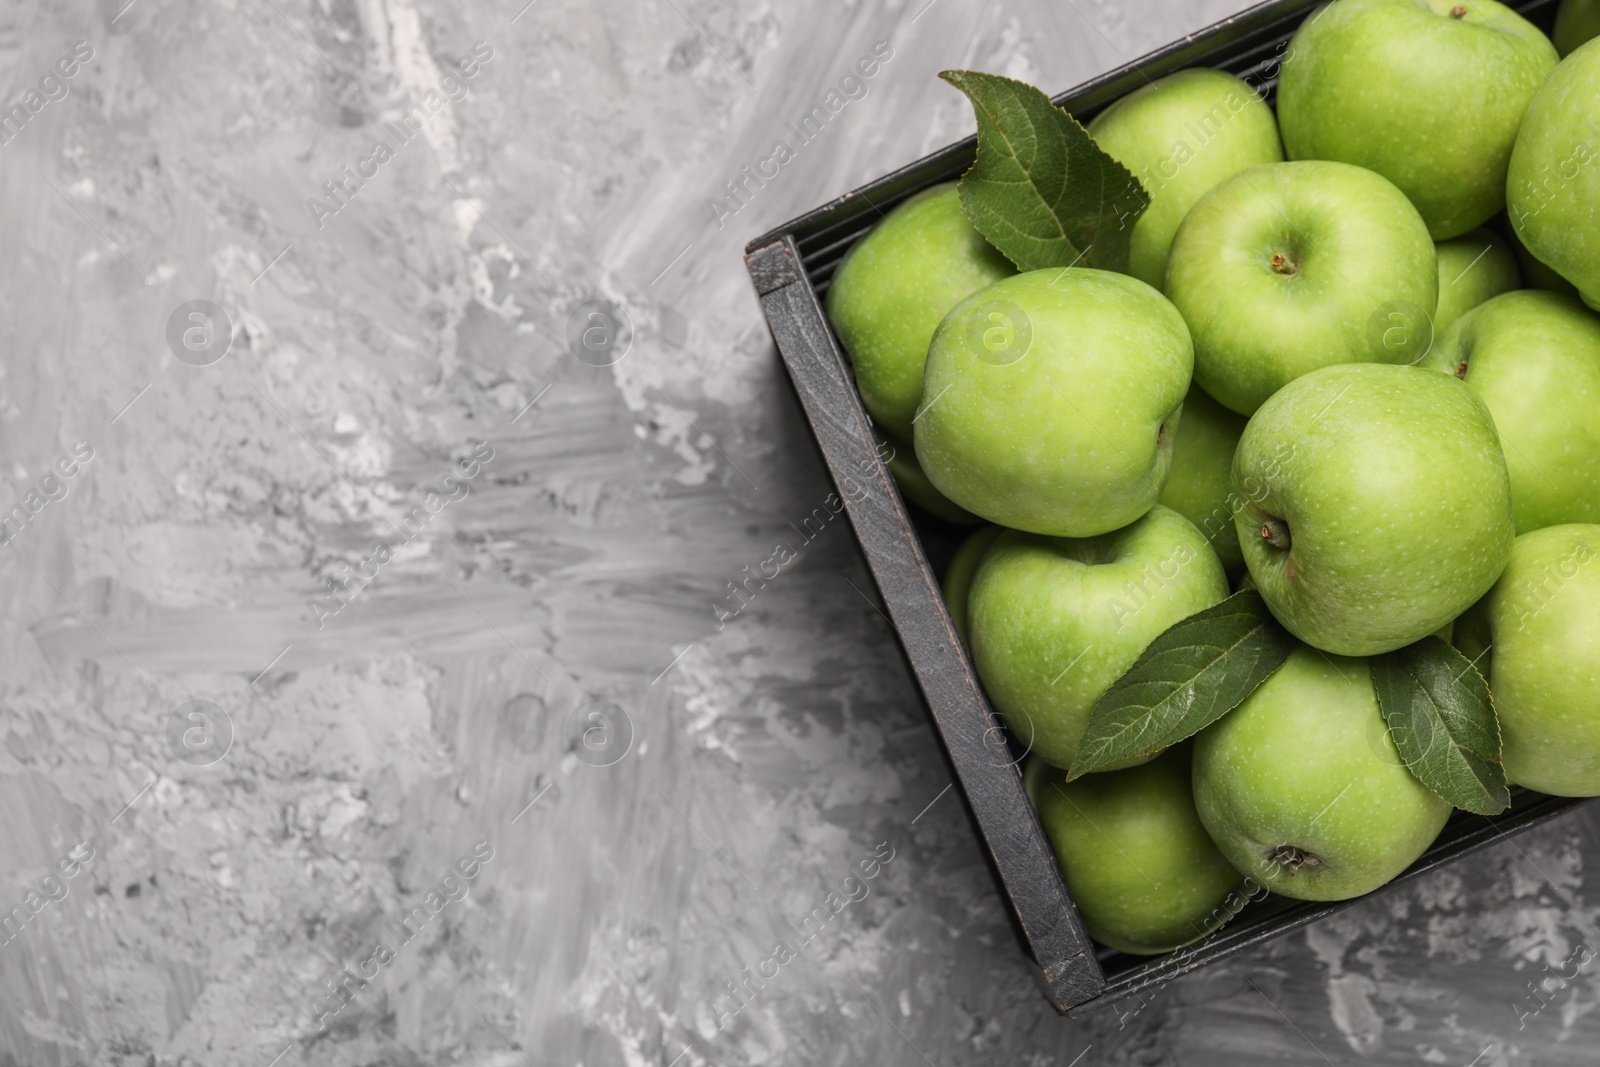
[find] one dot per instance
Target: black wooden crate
(905, 549)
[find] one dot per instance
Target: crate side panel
(910, 591)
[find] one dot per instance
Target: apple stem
(1275, 532)
(1293, 858)
(1281, 264)
(1458, 12)
(1461, 371)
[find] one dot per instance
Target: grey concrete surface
(514, 796)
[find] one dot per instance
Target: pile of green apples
(1353, 362)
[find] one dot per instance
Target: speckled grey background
(513, 792)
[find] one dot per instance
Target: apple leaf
(1193, 674)
(1442, 720)
(1041, 190)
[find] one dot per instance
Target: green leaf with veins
(1195, 672)
(1041, 190)
(1441, 718)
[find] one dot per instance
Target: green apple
(1472, 269)
(1428, 93)
(1542, 622)
(1200, 487)
(895, 285)
(1141, 871)
(1055, 621)
(1303, 790)
(1553, 186)
(957, 583)
(1577, 23)
(1288, 267)
(914, 485)
(1051, 399)
(1534, 359)
(1378, 505)
(1181, 135)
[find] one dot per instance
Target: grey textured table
(507, 791)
